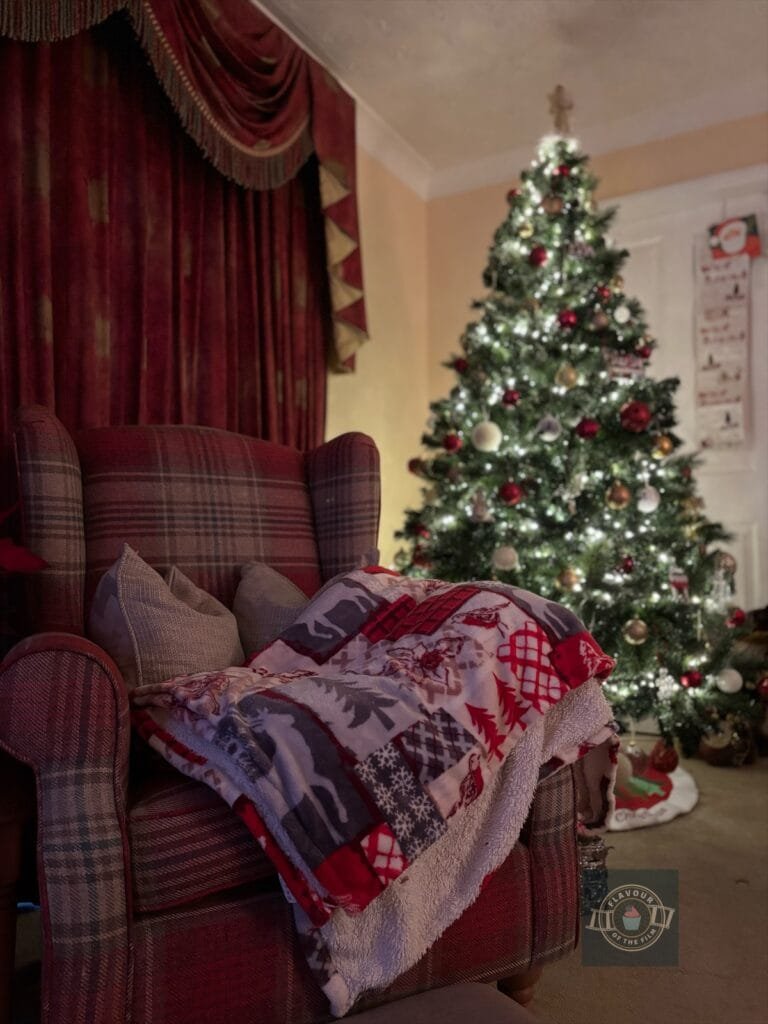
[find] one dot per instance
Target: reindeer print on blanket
(281, 748)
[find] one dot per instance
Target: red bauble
(417, 466)
(563, 170)
(510, 397)
(627, 564)
(452, 442)
(460, 365)
(686, 472)
(538, 256)
(420, 530)
(644, 351)
(737, 618)
(512, 195)
(664, 757)
(567, 318)
(762, 689)
(635, 416)
(420, 557)
(511, 493)
(691, 680)
(587, 428)
(604, 292)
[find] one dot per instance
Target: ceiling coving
(461, 85)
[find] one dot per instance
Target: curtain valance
(253, 101)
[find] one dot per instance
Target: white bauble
(622, 314)
(549, 428)
(487, 436)
(505, 558)
(728, 680)
(649, 499)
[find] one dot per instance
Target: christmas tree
(553, 464)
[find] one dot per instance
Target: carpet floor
(720, 851)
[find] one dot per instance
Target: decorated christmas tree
(553, 463)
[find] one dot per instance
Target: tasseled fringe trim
(42, 21)
(229, 156)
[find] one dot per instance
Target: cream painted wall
(386, 397)
(422, 265)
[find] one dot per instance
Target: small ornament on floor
(594, 873)
(729, 743)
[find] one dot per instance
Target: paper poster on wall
(733, 236)
(722, 350)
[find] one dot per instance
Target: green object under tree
(553, 464)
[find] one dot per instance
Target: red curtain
(137, 284)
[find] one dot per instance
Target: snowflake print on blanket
(413, 817)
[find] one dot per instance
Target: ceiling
(449, 91)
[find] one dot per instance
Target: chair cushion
(156, 629)
(266, 603)
(187, 843)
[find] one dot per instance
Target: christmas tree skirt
(648, 796)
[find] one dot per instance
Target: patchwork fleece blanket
(396, 731)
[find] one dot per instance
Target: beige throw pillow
(266, 603)
(155, 629)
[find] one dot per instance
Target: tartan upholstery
(65, 713)
(52, 514)
(202, 499)
(157, 906)
(551, 839)
(187, 844)
(345, 498)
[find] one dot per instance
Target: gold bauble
(691, 507)
(568, 579)
(635, 632)
(662, 446)
(724, 560)
(567, 376)
(531, 304)
(600, 320)
(526, 229)
(617, 283)
(552, 204)
(618, 495)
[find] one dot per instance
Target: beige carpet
(720, 850)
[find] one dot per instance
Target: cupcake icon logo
(631, 918)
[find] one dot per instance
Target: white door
(662, 230)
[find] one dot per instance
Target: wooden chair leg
(520, 987)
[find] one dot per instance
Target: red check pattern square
(431, 613)
(528, 653)
(384, 853)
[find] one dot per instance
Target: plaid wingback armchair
(157, 904)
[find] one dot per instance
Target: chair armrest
(553, 851)
(64, 711)
(344, 487)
